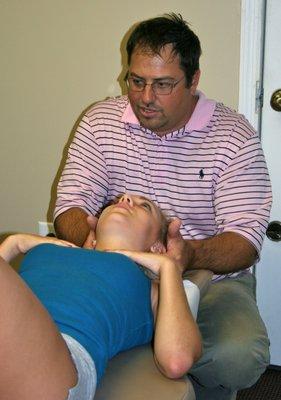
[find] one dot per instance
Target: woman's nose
(127, 198)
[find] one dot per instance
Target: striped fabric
(210, 173)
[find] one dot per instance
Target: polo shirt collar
(202, 113)
(199, 119)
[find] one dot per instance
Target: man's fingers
(89, 242)
(174, 228)
(92, 222)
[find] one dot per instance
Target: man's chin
(151, 124)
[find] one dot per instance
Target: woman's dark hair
(153, 34)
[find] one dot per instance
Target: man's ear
(158, 247)
(195, 81)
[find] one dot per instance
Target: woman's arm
(20, 243)
(177, 342)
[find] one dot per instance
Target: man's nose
(148, 95)
(127, 198)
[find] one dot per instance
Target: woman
(72, 309)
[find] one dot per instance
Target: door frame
(251, 60)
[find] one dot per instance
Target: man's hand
(177, 247)
(91, 239)
(72, 225)
(224, 253)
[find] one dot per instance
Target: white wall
(58, 57)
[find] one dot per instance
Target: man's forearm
(72, 226)
(224, 253)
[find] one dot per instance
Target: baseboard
(275, 367)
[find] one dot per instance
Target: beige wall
(59, 56)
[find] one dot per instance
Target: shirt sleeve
(84, 179)
(243, 192)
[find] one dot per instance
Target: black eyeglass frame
(171, 87)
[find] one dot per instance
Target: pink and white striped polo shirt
(211, 173)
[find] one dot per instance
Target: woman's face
(133, 219)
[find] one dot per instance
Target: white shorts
(192, 293)
(86, 371)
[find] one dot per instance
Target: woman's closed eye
(146, 205)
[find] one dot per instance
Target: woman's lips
(123, 205)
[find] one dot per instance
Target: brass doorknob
(275, 100)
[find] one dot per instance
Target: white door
(268, 271)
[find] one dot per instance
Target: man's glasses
(159, 86)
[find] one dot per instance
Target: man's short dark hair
(153, 34)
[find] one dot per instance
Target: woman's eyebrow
(145, 198)
(149, 201)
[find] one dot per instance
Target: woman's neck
(113, 244)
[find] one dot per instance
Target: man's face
(134, 218)
(161, 113)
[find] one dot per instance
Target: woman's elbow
(177, 369)
(177, 366)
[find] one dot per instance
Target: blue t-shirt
(101, 299)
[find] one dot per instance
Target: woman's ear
(158, 247)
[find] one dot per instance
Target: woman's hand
(20, 243)
(26, 241)
(154, 262)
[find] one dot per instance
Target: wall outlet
(44, 228)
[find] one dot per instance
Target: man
(201, 162)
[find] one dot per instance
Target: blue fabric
(101, 299)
